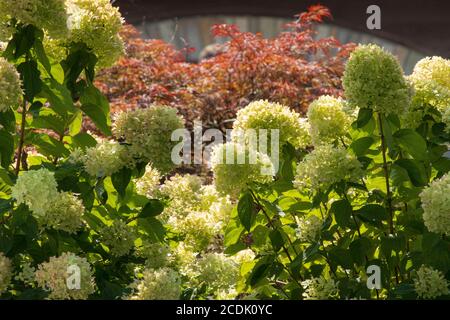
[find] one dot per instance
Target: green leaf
(8, 120)
(153, 208)
(260, 270)
(76, 123)
(41, 55)
(341, 257)
(6, 148)
(342, 210)
(233, 236)
(416, 171)
(121, 179)
(359, 249)
(277, 239)
(246, 210)
(47, 119)
(48, 146)
(361, 145)
(31, 79)
(24, 40)
(83, 140)
(96, 107)
(372, 213)
(364, 116)
(412, 142)
(59, 97)
(100, 191)
(153, 228)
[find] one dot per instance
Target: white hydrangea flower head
(10, 86)
(106, 158)
(37, 189)
(157, 284)
(436, 205)
(148, 184)
(231, 175)
(327, 165)
(148, 132)
(263, 114)
(226, 294)
(320, 289)
(50, 15)
(52, 276)
(430, 283)
(5, 272)
(244, 256)
(64, 213)
(431, 81)
(157, 255)
(327, 119)
(118, 237)
(309, 228)
(185, 256)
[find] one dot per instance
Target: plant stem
(386, 176)
(21, 137)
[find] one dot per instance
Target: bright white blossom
(320, 289)
(157, 284)
(309, 228)
(148, 184)
(436, 205)
(231, 175)
(148, 133)
(106, 158)
(244, 256)
(327, 119)
(430, 283)
(327, 165)
(52, 276)
(118, 237)
(10, 86)
(5, 272)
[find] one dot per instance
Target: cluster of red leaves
(294, 69)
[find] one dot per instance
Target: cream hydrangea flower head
(231, 175)
(244, 256)
(10, 86)
(106, 158)
(309, 228)
(148, 184)
(37, 189)
(431, 81)
(118, 237)
(6, 272)
(157, 255)
(52, 276)
(373, 78)
(327, 119)
(263, 114)
(327, 165)
(320, 289)
(430, 283)
(157, 284)
(65, 213)
(148, 132)
(436, 205)
(50, 15)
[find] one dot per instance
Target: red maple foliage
(294, 69)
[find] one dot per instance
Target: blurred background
(409, 29)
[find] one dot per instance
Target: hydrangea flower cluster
(436, 205)
(157, 284)
(374, 79)
(230, 176)
(263, 114)
(52, 276)
(10, 85)
(157, 255)
(52, 209)
(5, 272)
(430, 283)
(118, 237)
(327, 119)
(327, 165)
(148, 184)
(106, 158)
(320, 289)
(309, 228)
(148, 132)
(244, 256)
(50, 15)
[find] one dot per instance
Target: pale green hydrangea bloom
(64, 213)
(320, 289)
(5, 272)
(118, 237)
(50, 15)
(148, 132)
(185, 256)
(436, 205)
(233, 177)
(327, 165)
(37, 189)
(327, 119)
(373, 78)
(263, 114)
(430, 283)
(10, 86)
(52, 276)
(27, 274)
(157, 255)
(226, 294)
(309, 228)
(157, 284)
(244, 256)
(148, 184)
